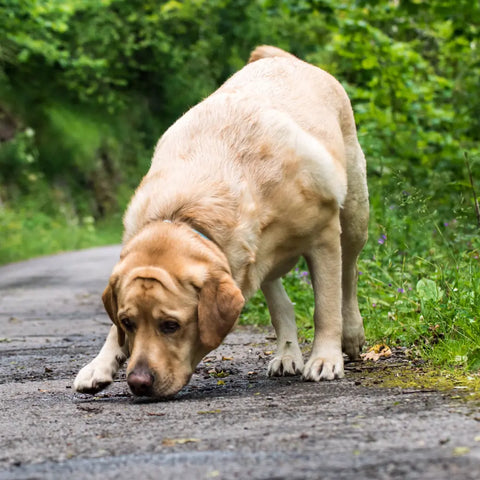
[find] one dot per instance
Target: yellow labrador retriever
(265, 170)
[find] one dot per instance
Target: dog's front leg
(325, 265)
(288, 358)
(101, 371)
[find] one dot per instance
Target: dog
(264, 171)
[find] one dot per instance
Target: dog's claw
(318, 369)
(285, 366)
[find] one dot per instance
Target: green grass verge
(27, 233)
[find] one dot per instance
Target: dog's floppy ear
(110, 302)
(221, 302)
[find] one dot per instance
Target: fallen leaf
(227, 358)
(268, 352)
(206, 412)
(220, 382)
(376, 352)
(171, 442)
(213, 474)
(155, 414)
(460, 451)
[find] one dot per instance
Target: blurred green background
(87, 87)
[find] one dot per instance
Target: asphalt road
(230, 422)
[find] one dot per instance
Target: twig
(475, 198)
(423, 390)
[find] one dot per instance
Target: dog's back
(271, 138)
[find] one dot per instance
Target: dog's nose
(140, 380)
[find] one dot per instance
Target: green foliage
(423, 291)
(404, 69)
(19, 162)
(28, 232)
(87, 87)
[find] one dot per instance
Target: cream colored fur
(269, 168)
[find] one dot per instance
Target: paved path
(242, 425)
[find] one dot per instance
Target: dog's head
(173, 301)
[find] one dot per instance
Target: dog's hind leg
(288, 358)
(100, 372)
(354, 221)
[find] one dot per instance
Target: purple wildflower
(382, 239)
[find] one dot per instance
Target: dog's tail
(265, 51)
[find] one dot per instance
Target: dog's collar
(194, 229)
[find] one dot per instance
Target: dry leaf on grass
(376, 352)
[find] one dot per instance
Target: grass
(27, 233)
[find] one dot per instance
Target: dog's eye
(128, 324)
(169, 326)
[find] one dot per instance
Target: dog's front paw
(324, 367)
(285, 365)
(93, 377)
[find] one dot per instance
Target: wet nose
(140, 380)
